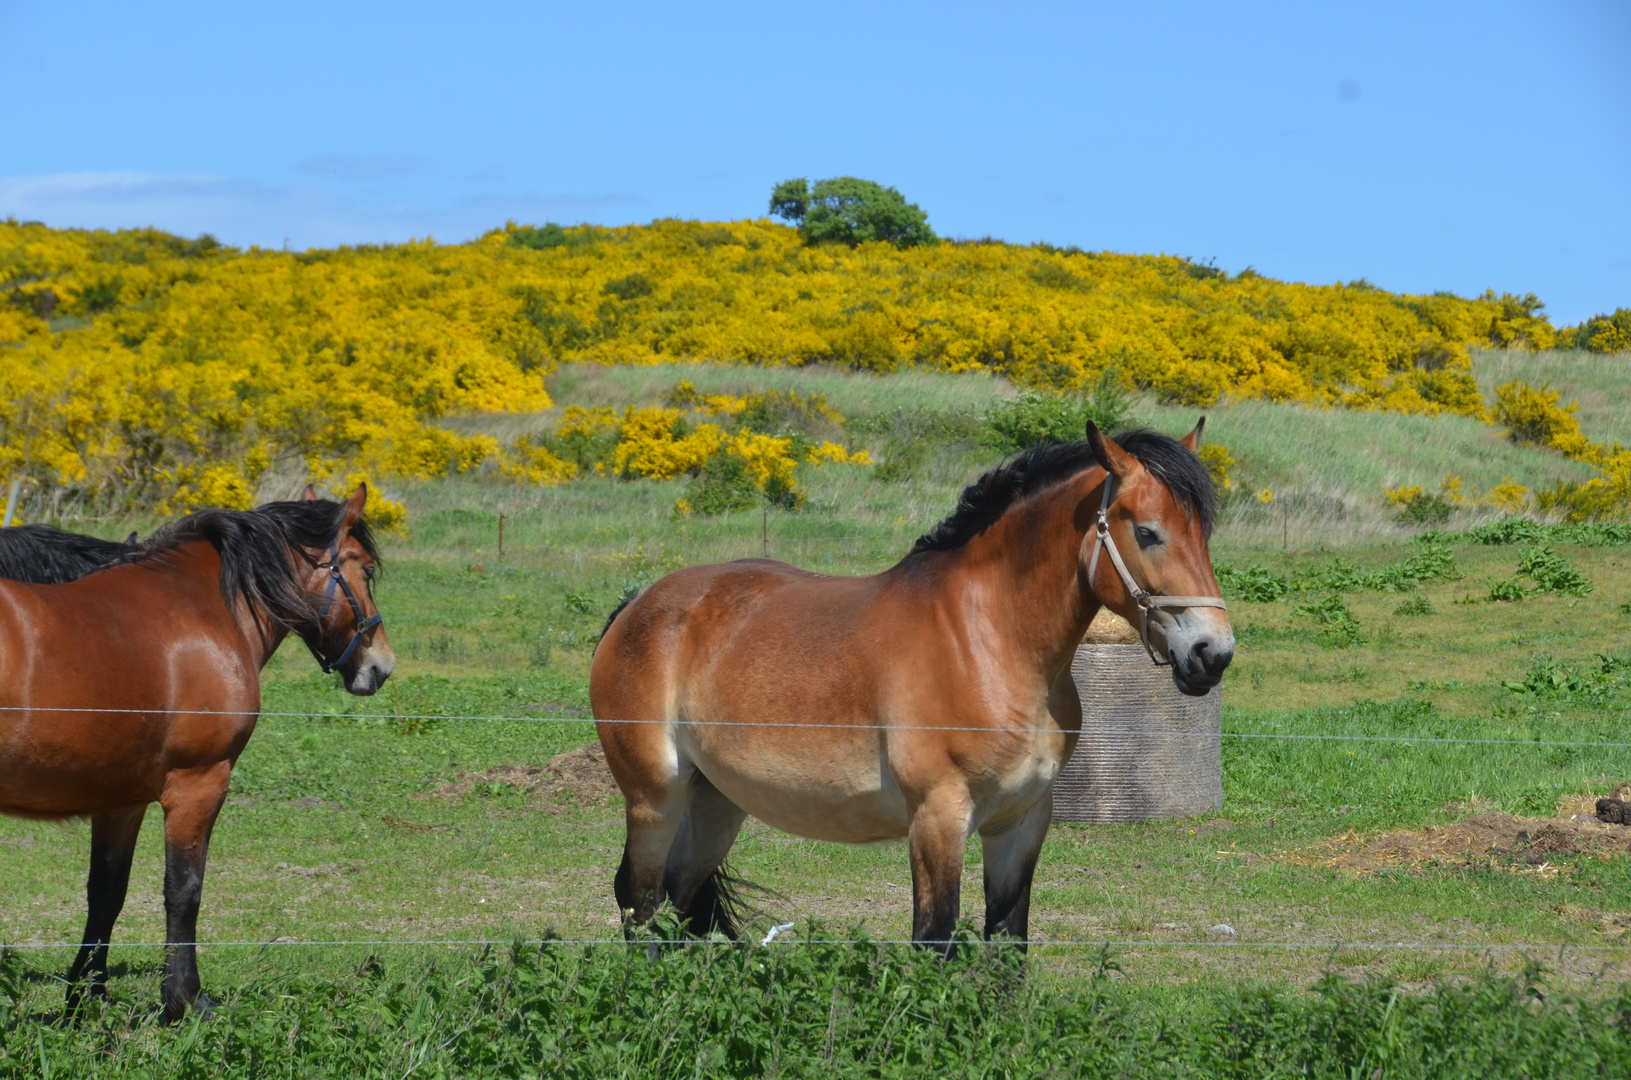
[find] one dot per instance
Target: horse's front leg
(113, 845)
(1011, 851)
(937, 835)
(192, 799)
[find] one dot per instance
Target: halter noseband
(1146, 601)
(337, 580)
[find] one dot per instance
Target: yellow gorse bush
(150, 370)
(662, 444)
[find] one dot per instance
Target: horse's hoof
(204, 1006)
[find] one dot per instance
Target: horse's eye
(368, 573)
(1146, 537)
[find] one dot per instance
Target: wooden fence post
(11, 501)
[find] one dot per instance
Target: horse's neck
(1030, 560)
(197, 565)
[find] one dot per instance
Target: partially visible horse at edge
(932, 701)
(138, 681)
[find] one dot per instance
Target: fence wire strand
(1095, 730)
(1084, 943)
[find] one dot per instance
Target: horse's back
(752, 611)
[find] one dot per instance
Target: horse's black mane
(1041, 467)
(42, 555)
(256, 548)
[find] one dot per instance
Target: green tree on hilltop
(849, 210)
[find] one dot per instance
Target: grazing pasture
(1448, 824)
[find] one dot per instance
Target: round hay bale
(1147, 751)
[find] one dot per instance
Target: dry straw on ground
(580, 775)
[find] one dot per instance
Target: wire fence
(1087, 729)
(1090, 730)
(1033, 943)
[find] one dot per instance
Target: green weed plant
(821, 1009)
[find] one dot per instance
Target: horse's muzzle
(1202, 666)
(370, 674)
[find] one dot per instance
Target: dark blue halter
(337, 580)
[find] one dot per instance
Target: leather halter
(1146, 601)
(337, 580)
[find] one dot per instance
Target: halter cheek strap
(336, 580)
(1146, 601)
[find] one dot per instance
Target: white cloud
(301, 215)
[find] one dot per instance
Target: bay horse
(932, 701)
(139, 682)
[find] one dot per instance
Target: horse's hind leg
(692, 880)
(936, 836)
(113, 845)
(191, 802)
(1010, 855)
(653, 812)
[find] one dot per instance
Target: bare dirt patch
(578, 775)
(1486, 838)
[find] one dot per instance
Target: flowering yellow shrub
(144, 368)
(1403, 495)
(1217, 460)
(529, 463)
(1450, 490)
(831, 453)
(767, 459)
(1512, 497)
(651, 445)
(1532, 415)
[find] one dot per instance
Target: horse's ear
(354, 505)
(309, 495)
(1114, 460)
(1192, 441)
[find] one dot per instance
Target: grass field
(339, 827)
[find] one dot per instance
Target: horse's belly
(846, 806)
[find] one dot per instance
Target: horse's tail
(721, 905)
(616, 611)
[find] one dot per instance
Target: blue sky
(1423, 146)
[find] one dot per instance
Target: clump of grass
(1338, 624)
(1551, 680)
(1416, 604)
(1256, 583)
(1550, 572)
(722, 487)
(1032, 419)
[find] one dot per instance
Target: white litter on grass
(776, 930)
(1225, 929)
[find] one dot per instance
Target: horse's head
(1145, 556)
(348, 635)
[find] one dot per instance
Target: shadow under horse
(931, 701)
(130, 674)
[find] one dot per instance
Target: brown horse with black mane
(136, 679)
(931, 701)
